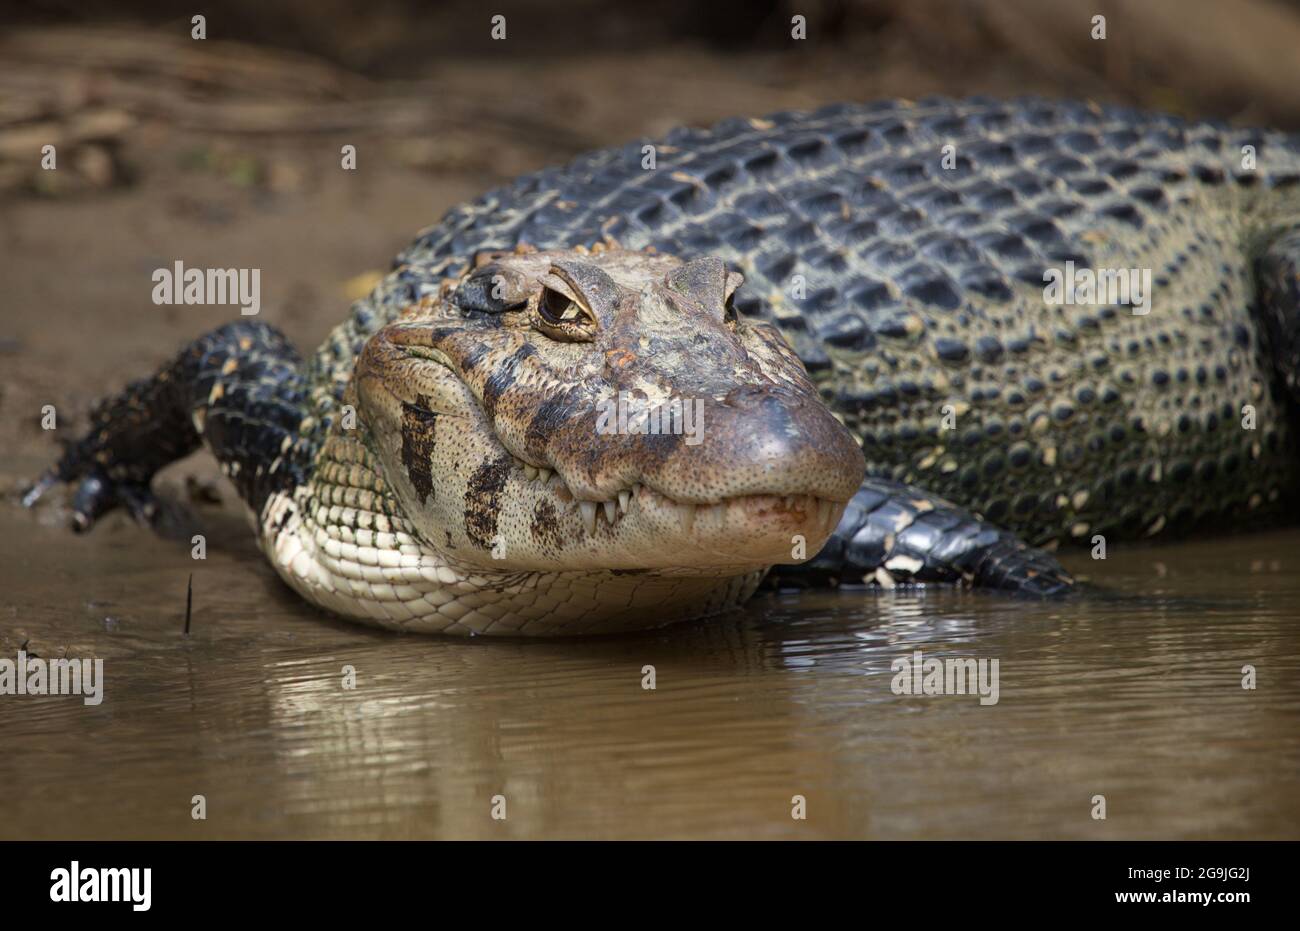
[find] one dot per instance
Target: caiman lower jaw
(794, 512)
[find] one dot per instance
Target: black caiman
(904, 342)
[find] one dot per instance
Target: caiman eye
(562, 318)
(556, 308)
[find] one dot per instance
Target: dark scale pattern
(910, 289)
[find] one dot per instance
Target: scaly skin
(913, 293)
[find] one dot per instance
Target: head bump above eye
(491, 289)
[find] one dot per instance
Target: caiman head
(605, 414)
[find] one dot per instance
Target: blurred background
(122, 80)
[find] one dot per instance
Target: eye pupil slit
(557, 307)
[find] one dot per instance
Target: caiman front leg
(238, 389)
(895, 534)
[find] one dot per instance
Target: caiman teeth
(686, 514)
(588, 509)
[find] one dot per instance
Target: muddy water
(1134, 694)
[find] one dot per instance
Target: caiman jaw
(731, 527)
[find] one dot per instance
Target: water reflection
(1134, 693)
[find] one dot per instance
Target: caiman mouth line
(640, 496)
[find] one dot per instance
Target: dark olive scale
(1062, 413)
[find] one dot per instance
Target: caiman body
(901, 249)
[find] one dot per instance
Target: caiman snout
(761, 441)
